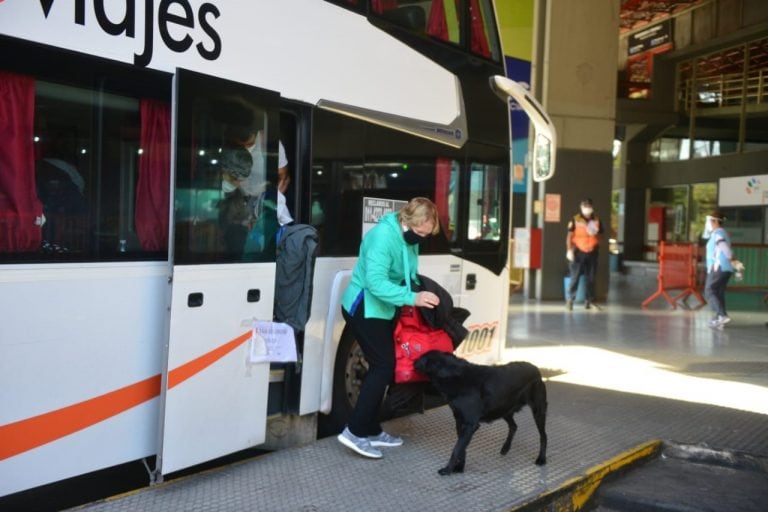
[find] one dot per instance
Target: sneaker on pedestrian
(360, 445)
(587, 305)
(569, 304)
(723, 319)
(385, 439)
(715, 324)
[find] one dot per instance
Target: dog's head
(438, 365)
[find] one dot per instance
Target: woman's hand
(427, 300)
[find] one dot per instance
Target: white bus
(127, 293)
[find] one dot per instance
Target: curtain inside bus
(442, 195)
(20, 209)
(443, 21)
(478, 40)
(152, 189)
(380, 6)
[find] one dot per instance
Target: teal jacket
(379, 273)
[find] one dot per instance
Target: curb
(575, 493)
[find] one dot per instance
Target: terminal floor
(618, 377)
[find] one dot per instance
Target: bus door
(484, 285)
(224, 226)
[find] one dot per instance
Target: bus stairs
(597, 438)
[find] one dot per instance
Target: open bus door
(214, 399)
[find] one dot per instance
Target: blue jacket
(379, 274)
(719, 251)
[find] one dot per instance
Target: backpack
(414, 338)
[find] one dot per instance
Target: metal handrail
(727, 90)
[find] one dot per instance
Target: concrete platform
(592, 433)
(622, 381)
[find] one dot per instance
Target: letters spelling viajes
(127, 25)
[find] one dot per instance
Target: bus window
(226, 194)
(440, 19)
(483, 40)
(338, 190)
(86, 172)
(485, 210)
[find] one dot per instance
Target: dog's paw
(445, 471)
(505, 448)
(541, 461)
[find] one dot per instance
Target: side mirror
(544, 136)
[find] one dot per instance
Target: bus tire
(348, 374)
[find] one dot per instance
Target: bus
(131, 283)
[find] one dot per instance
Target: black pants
(714, 290)
(376, 338)
(584, 263)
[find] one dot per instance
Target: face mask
(586, 212)
(413, 238)
(227, 187)
(707, 228)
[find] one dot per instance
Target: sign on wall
(743, 191)
(552, 207)
(375, 208)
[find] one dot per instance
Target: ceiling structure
(636, 14)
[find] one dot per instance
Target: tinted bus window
(443, 20)
(78, 180)
(485, 202)
(226, 171)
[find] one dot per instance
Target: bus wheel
(349, 371)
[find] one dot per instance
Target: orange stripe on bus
(24, 435)
(187, 370)
(28, 434)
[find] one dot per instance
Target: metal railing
(727, 90)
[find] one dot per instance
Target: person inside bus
(61, 190)
(234, 212)
(283, 180)
(387, 263)
(582, 244)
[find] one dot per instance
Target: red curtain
(20, 209)
(381, 6)
(442, 191)
(153, 188)
(437, 25)
(478, 41)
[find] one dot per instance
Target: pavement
(627, 388)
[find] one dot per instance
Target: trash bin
(615, 261)
(581, 290)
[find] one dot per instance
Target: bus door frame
(213, 400)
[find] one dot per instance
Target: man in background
(582, 244)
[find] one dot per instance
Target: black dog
(478, 393)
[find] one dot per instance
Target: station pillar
(575, 75)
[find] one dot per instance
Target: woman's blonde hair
(418, 211)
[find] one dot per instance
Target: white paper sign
(272, 342)
(375, 208)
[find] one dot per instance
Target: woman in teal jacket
(380, 284)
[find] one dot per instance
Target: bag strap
(407, 268)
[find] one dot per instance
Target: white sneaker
(385, 439)
(360, 445)
(723, 319)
